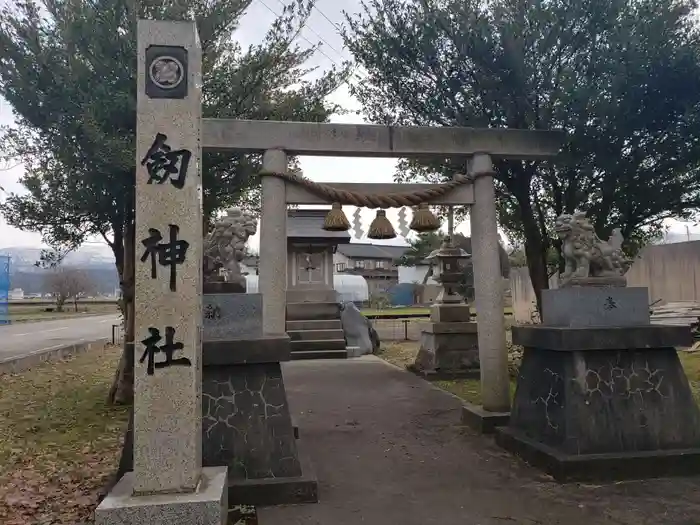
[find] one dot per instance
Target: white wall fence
(523, 296)
(671, 272)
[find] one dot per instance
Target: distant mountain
(96, 261)
(23, 258)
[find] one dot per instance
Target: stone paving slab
(388, 449)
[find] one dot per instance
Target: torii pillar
(488, 291)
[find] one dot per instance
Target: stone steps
(316, 311)
(315, 331)
(317, 344)
(314, 335)
(331, 348)
(319, 354)
(317, 324)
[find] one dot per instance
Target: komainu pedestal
(246, 421)
(449, 345)
(247, 425)
(602, 402)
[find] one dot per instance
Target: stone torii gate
(279, 140)
(168, 483)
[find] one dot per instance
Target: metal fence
(399, 329)
(406, 327)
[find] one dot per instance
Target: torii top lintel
(369, 140)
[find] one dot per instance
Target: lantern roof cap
(448, 251)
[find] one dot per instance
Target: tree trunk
(536, 265)
(122, 390)
(535, 247)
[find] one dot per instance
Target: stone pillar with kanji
(168, 484)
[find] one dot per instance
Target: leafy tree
(518, 259)
(68, 68)
(621, 77)
(421, 246)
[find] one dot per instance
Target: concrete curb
(14, 365)
(54, 318)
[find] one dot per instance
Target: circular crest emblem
(166, 72)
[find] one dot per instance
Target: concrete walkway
(388, 450)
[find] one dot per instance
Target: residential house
(376, 263)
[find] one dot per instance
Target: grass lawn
(691, 364)
(31, 312)
(403, 354)
(59, 441)
(397, 311)
(413, 310)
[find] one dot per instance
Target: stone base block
(602, 338)
(230, 316)
(263, 349)
(277, 491)
(583, 307)
(606, 401)
(206, 506)
(599, 467)
(450, 313)
(611, 281)
(246, 423)
(483, 421)
(448, 349)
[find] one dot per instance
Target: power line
(307, 26)
(300, 35)
(326, 17)
(337, 30)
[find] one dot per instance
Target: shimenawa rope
(368, 200)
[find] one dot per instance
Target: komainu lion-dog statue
(224, 247)
(588, 258)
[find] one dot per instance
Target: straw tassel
(381, 227)
(424, 220)
(335, 220)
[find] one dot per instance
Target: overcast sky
(322, 27)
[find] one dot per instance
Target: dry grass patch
(32, 312)
(691, 365)
(404, 353)
(60, 441)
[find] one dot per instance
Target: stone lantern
(449, 343)
(448, 271)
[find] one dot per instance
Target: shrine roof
(308, 224)
(372, 251)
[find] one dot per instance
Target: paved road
(29, 338)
